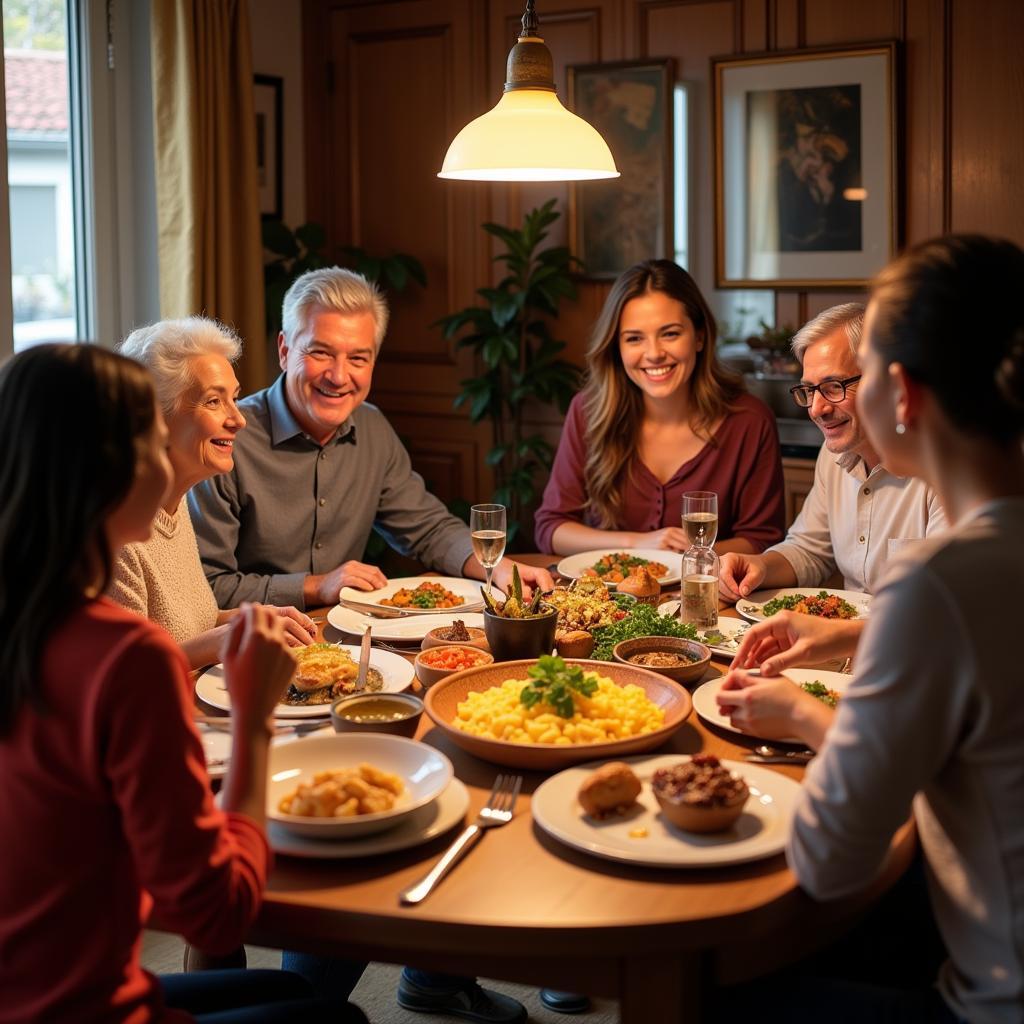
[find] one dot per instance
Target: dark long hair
(949, 311)
(71, 419)
(613, 405)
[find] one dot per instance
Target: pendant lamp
(528, 135)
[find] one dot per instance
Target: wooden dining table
(524, 907)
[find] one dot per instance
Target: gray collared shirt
(291, 507)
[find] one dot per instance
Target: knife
(376, 610)
(779, 758)
(364, 662)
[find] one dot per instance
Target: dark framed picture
(268, 92)
(614, 224)
(805, 167)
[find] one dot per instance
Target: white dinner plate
(406, 630)
(397, 673)
(761, 831)
(750, 607)
(217, 747)
(729, 627)
(447, 811)
(573, 566)
(468, 590)
(706, 706)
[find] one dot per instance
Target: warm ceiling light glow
(528, 135)
(855, 195)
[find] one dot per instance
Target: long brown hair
(71, 417)
(613, 404)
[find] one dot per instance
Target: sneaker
(470, 1003)
(564, 1002)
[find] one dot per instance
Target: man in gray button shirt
(316, 468)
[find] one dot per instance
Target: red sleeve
(204, 870)
(565, 497)
(760, 500)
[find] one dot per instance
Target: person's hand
(773, 708)
(299, 628)
(257, 666)
(357, 575)
(530, 575)
(740, 575)
(790, 639)
(671, 538)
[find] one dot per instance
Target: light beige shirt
(854, 521)
(162, 578)
(935, 718)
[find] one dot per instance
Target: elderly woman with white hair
(162, 578)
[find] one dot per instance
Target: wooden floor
(375, 993)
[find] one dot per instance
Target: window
(39, 171)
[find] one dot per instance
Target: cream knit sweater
(162, 578)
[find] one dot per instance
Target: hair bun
(1010, 372)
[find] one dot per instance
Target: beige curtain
(208, 217)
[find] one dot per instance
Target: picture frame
(268, 96)
(616, 223)
(805, 167)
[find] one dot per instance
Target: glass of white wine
(700, 517)
(487, 528)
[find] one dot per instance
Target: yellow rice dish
(611, 713)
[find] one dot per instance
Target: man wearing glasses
(857, 513)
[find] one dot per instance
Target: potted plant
(510, 335)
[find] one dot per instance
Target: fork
(497, 811)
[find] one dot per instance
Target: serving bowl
(476, 638)
(429, 674)
(425, 771)
(443, 699)
(394, 713)
(700, 655)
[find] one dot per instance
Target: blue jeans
(254, 997)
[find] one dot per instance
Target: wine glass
(487, 529)
(700, 517)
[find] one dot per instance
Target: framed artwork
(614, 224)
(268, 91)
(805, 167)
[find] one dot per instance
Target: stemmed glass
(487, 528)
(700, 517)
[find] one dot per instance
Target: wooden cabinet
(799, 477)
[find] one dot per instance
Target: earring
(901, 428)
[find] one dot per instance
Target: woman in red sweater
(659, 416)
(105, 808)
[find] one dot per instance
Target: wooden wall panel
(840, 22)
(987, 117)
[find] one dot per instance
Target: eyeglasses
(833, 391)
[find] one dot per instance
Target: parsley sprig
(553, 682)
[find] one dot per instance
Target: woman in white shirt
(934, 718)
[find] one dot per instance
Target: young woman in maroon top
(659, 416)
(106, 810)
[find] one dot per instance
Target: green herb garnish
(553, 682)
(818, 689)
(643, 620)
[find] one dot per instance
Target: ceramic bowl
(425, 771)
(689, 673)
(443, 699)
(513, 639)
(429, 674)
(361, 713)
(477, 638)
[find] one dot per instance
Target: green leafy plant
(511, 337)
(554, 682)
(513, 607)
(643, 620)
(303, 249)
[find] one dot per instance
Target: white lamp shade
(528, 136)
